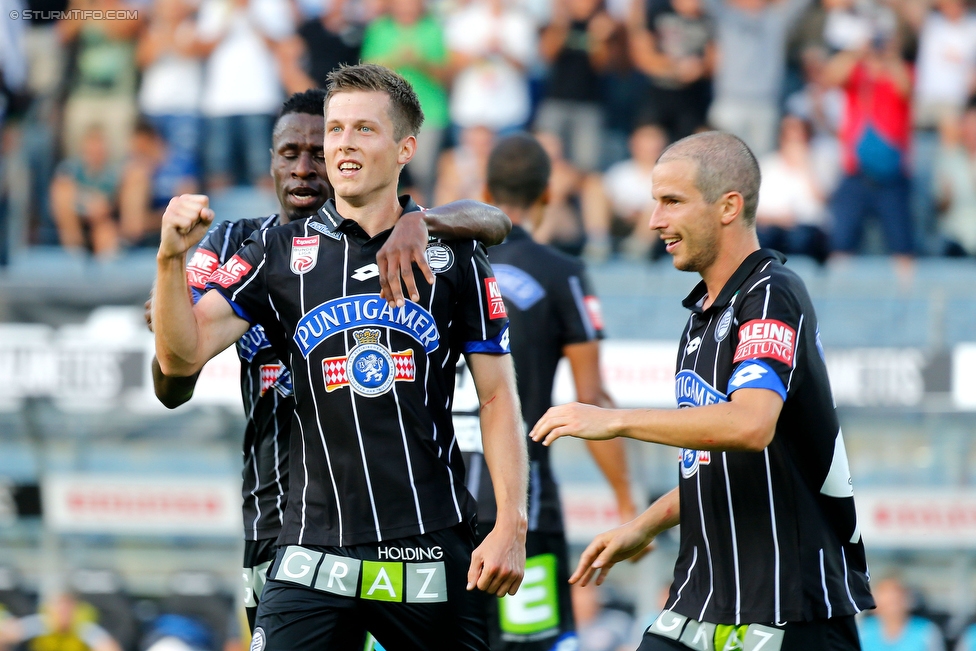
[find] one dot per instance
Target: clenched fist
(185, 221)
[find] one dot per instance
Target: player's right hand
(610, 548)
(186, 220)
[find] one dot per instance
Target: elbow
(170, 402)
(503, 228)
(756, 437)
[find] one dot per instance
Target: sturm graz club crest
(440, 258)
(370, 369)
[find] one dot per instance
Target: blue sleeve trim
(196, 295)
(238, 310)
(498, 345)
(756, 374)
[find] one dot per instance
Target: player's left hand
(574, 419)
(405, 246)
(498, 563)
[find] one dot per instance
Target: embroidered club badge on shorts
(304, 254)
(369, 369)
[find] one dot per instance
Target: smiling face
(689, 225)
(362, 154)
(298, 165)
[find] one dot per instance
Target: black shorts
(410, 593)
(540, 616)
(835, 634)
(258, 555)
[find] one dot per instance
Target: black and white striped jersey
(266, 388)
(551, 305)
(373, 453)
(767, 536)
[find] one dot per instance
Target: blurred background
(120, 521)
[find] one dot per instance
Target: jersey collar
(337, 224)
(695, 299)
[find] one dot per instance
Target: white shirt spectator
(628, 188)
(241, 73)
(171, 85)
(946, 62)
(491, 92)
(786, 195)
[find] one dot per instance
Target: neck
(733, 251)
(527, 218)
(373, 215)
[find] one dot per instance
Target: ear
(486, 196)
(731, 205)
(544, 198)
(408, 147)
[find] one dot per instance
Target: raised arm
(497, 565)
(405, 247)
(187, 336)
(611, 455)
(171, 391)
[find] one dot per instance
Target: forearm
(662, 515)
(172, 391)
(507, 458)
(467, 219)
(723, 426)
(175, 325)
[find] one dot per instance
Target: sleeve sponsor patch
(201, 266)
(766, 339)
(595, 312)
(755, 374)
(231, 272)
(496, 304)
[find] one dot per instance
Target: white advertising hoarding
(917, 517)
(154, 505)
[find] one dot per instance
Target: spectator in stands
(492, 43)
(791, 214)
(84, 198)
(945, 77)
(822, 107)
(172, 78)
(751, 37)
(874, 140)
(891, 627)
(618, 205)
(242, 87)
(672, 42)
(103, 84)
(151, 177)
(955, 184)
(562, 221)
(411, 41)
(328, 41)
(63, 623)
(575, 45)
(461, 170)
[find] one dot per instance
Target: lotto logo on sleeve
(201, 266)
(232, 271)
(766, 339)
(496, 304)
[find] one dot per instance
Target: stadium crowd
(861, 111)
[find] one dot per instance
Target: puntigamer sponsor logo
(341, 314)
(382, 580)
(766, 338)
(691, 390)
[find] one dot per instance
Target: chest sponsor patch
(691, 390)
(341, 314)
(304, 254)
(766, 339)
(369, 369)
(201, 266)
(252, 341)
(691, 459)
(496, 304)
(231, 272)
